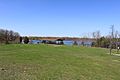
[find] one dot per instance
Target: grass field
(46, 62)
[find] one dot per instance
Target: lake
(66, 42)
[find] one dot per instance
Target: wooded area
(9, 36)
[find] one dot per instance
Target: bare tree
(98, 34)
(7, 36)
(2, 34)
(11, 35)
(94, 35)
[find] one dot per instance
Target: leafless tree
(2, 32)
(6, 36)
(11, 35)
(96, 35)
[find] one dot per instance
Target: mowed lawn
(47, 62)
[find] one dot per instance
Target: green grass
(46, 62)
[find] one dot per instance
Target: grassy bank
(47, 62)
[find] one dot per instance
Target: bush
(26, 40)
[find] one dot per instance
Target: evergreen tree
(26, 40)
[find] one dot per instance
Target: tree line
(111, 41)
(9, 36)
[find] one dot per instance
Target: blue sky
(73, 18)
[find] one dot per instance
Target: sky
(62, 18)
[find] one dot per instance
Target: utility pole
(111, 38)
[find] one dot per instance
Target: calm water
(35, 41)
(66, 42)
